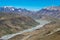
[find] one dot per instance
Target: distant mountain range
(13, 9)
(53, 11)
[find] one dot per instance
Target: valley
(23, 24)
(42, 23)
(50, 31)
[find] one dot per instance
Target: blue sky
(30, 4)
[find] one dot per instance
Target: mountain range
(53, 11)
(13, 20)
(20, 11)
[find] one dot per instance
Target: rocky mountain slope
(12, 23)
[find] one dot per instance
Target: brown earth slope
(49, 31)
(12, 23)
